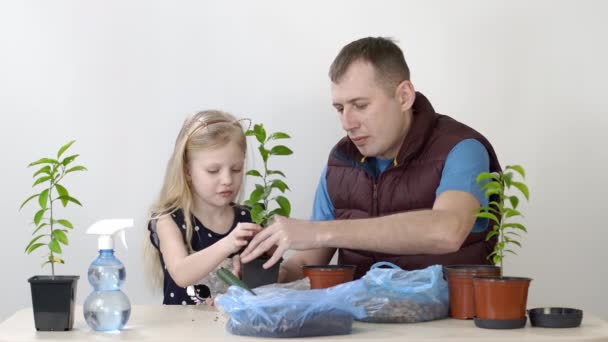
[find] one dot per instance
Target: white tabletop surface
(202, 323)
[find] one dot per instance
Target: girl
(195, 227)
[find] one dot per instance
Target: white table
(201, 323)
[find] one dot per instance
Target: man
(400, 187)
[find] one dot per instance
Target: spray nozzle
(106, 230)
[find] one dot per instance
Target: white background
(120, 77)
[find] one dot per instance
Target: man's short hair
(384, 55)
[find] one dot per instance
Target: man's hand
(286, 234)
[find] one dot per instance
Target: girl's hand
(209, 301)
(240, 236)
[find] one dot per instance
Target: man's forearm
(415, 232)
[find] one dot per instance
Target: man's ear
(406, 95)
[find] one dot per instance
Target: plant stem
(500, 228)
(52, 258)
(265, 184)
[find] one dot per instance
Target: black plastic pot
(53, 301)
(255, 275)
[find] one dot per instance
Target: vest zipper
(375, 200)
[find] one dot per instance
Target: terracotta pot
(501, 298)
(328, 275)
(460, 285)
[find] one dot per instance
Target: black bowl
(555, 317)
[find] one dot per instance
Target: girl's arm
(187, 269)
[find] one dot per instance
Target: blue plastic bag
(393, 295)
(281, 312)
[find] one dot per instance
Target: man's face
(372, 116)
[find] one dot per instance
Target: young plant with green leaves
(502, 208)
(50, 230)
(262, 196)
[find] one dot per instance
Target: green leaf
(496, 259)
(264, 153)
(518, 169)
(283, 202)
(44, 161)
(275, 172)
(257, 213)
(512, 234)
(266, 193)
(60, 236)
(493, 191)
(281, 150)
(65, 223)
(43, 198)
(279, 184)
(40, 226)
(63, 194)
(58, 259)
(63, 148)
(38, 216)
(279, 135)
(254, 173)
(495, 205)
(507, 178)
(511, 212)
(255, 196)
(69, 159)
(514, 201)
(34, 247)
(523, 188)
(260, 133)
(41, 180)
(76, 168)
(492, 185)
(515, 242)
(277, 211)
(33, 241)
(54, 246)
(515, 225)
(27, 200)
(488, 216)
(487, 175)
(68, 198)
(44, 169)
(491, 234)
(510, 251)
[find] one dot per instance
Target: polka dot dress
(201, 239)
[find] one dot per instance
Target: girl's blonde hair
(202, 131)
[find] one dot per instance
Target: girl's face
(216, 174)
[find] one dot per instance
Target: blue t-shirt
(464, 162)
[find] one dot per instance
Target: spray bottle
(107, 308)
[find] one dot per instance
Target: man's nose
(349, 120)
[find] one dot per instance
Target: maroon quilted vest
(410, 185)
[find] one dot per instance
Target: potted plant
(500, 302)
(263, 201)
(52, 296)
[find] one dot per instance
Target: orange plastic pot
(460, 286)
(501, 298)
(322, 277)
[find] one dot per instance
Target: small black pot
(255, 275)
(53, 301)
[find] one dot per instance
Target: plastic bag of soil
(285, 312)
(393, 295)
